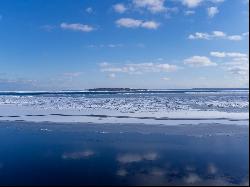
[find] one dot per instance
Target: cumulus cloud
(78, 155)
(235, 37)
(196, 3)
(189, 12)
(227, 54)
(150, 25)
(139, 68)
(120, 8)
(199, 35)
(219, 34)
(154, 6)
(217, 1)
(134, 23)
(199, 61)
(218, 54)
(240, 70)
(238, 66)
(215, 35)
(77, 27)
(129, 23)
(191, 3)
(212, 11)
(235, 63)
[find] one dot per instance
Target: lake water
(94, 154)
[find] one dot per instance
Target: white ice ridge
(134, 103)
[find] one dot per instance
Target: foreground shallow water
(95, 154)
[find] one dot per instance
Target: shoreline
(32, 114)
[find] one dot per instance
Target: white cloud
(139, 68)
(241, 59)
(189, 12)
(120, 8)
(233, 54)
(240, 70)
(76, 27)
(218, 54)
(212, 11)
(104, 64)
(129, 23)
(170, 11)
(219, 34)
(72, 74)
(227, 54)
(217, 1)
(165, 78)
(105, 45)
(191, 3)
(235, 37)
(196, 3)
(199, 35)
(154, 6)
(150, 25)
(236, 63)
(89, 10)
(199, 61)
(245, 34)
(134, 23)
(112, 75)
(215, 35)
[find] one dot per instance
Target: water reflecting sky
(34, 154)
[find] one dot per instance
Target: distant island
(117, 89)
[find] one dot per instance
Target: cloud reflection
(122, 172)
(131, 158)
(212, 169)
(192, 178)
(78, 155)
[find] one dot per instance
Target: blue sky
(77, 44)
